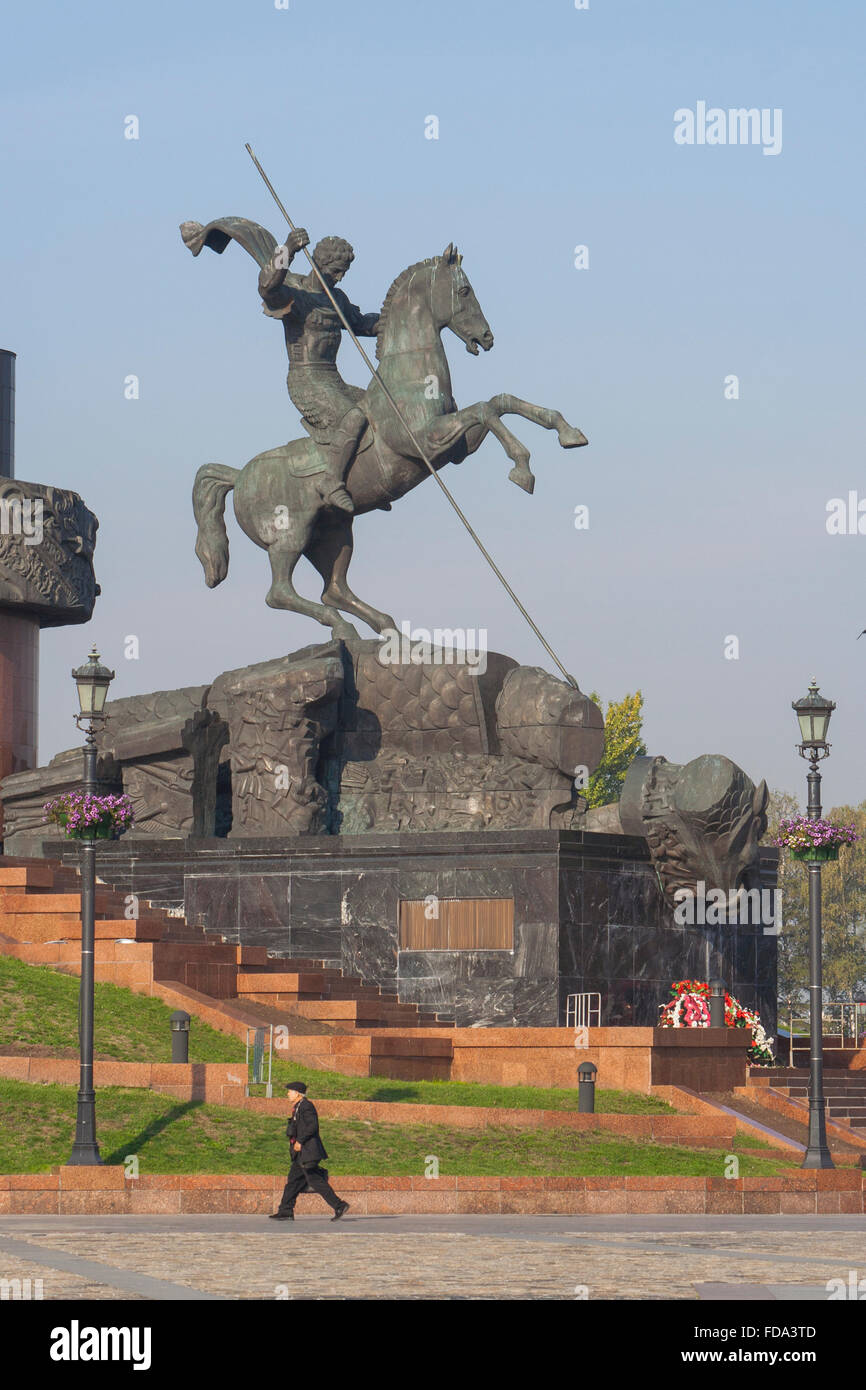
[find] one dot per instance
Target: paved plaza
(433, 1257)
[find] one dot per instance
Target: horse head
(454, 303)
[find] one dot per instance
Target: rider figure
(328, 405)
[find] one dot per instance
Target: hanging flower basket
(816, 853)
(89, 817)
(814, 840)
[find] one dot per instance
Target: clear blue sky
(707, 516)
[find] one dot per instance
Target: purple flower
(77, 811)
(801, 833)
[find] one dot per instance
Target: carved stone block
(278, 713)
(47, 539)
(25, 793)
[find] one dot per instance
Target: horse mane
(396, 286)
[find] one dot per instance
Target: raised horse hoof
(570, 437)
(523, 478)
(345, 630)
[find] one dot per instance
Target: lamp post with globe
(813, 714)
(92, 681)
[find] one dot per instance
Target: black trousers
(297, 1182)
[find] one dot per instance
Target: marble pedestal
(588, 915)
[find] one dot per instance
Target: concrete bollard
(717, 1004)
(179, 1036)
(586, 1073)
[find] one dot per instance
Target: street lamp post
(92, 680)
(813, 714)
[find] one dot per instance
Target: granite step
(67, 927)
(280, 982)
(23, 876)
(40, 911)
(106, 901)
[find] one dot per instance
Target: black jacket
(304, 1126)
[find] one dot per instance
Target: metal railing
(579, 1010)
(843, 1021)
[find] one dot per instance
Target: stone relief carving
(702, 820)
(46, 552)
(277, 715)
(331, 740)
(25, 793)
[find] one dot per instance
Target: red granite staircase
(40, 922)
(845, 1091)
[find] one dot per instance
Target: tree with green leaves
(622, 743)
(843, 910)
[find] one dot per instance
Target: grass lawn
(336, 1086)
(39, 1007)
(37, 1128)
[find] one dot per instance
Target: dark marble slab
(486, 1004)
(588, 915)
(484, 882)
(368, 918)
(635, 898)
(571, 950)
(264, 914)
(314, 914)
(430, 993)
(536, 954)
(745, 955)
(596, 896)
(211, 901)
(535, 1003)
(416, 884)
(595, 949)
(536, 893)
(620, 950)
(617, 1001)
(418, 964)
(570, 895)
(480, 966)
(644, 1002)
(646, 961)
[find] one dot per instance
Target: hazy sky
(556, 129)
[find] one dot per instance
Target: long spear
(422, 454)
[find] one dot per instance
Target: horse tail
(213, 483)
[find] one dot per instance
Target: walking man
(302, 1132)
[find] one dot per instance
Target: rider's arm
(272, 289)
(365, 325)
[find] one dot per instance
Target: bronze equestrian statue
(299, 499)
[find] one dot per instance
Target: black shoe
(281, 1216)
(340, 1211)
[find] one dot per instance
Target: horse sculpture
(275, 497)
